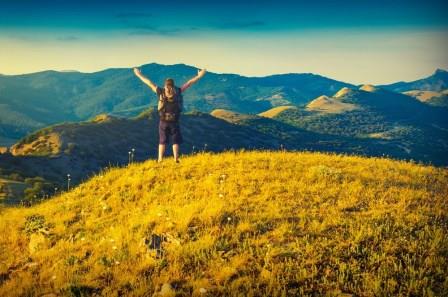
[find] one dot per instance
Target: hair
(170, 89)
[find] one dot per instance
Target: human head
(170, 90)
(169, 82)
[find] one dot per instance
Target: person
(169, 106)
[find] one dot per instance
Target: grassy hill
(224, 225)
(326, 104)
(82, 149)
(231, 116)
(275, 111)
(414, 129)
(430, 97)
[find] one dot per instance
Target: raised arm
(200, 74)
(146, 80)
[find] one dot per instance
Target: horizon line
(220, 73)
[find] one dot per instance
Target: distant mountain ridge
(417, 130)
(53, 97)
(436, 82)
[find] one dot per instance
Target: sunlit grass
(236, 223)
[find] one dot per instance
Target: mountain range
(32, 101)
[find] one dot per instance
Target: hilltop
(37, 166)
(82, 149)
(275, 111)
(231, 116)
(326, 104)
(430, 97)
(45, 157)
(223, 225)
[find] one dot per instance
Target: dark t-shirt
(161, 94)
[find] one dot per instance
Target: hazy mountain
(32, 101)
(437, 82)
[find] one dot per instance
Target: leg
(176, 152)
(177, 140)
(162, 140)
(161, 152)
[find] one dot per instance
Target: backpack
(171, 108)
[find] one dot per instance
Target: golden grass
(273, 112)
(343, 92)
(423, 96)
(230, 116)
(48, 144)
(369, 88)
(236, 224)
(330, 105)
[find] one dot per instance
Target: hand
(201, 73)
(137, 71)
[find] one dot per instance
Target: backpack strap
(164, 99)
(181, 99)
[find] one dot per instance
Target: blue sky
(354, 41)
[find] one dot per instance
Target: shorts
(169, 131)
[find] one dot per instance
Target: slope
(326, 104)
(225, 225)
(81, 149)
(430, 97)
(275, 111)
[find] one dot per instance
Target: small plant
(72, 260)
(35, 223)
